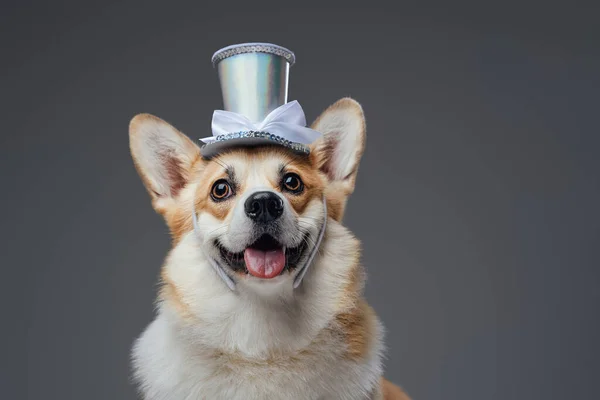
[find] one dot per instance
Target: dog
(258, 212)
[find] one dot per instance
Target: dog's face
(258, 211)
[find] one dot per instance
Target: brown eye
(221, 190)
(293, 183)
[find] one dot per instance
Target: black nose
(264, 206)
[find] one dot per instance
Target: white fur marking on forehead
(254, 172)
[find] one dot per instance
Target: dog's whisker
(286, 164)
(313, 218)
(303, 232)
(310, 241)
(225, 166)
(307, 224)
(215, 230)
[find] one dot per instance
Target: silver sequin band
(253, 48)
(298, 147)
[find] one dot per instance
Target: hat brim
(210, 150)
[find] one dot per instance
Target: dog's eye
(221, 190)
(293, 183)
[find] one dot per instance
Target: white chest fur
(238, 346)
(168, 368)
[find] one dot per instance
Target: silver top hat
(254, 83)
(254, 78)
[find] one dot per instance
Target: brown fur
(355, 327)
(170, 294)
(336, 201)
(356, 317)
(392, 392)
(313, 186)
(353, 290)
(212, 173)
(178, 221)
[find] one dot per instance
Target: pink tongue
(264, 264)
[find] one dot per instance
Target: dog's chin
(278, 260)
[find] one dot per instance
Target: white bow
(287, 121)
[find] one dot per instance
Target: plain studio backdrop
(477, 198)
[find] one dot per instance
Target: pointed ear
(162, 155)
(338, 152)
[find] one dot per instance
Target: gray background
(477, 199)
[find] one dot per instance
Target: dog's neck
(285, 320)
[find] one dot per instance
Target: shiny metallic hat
(254, 83)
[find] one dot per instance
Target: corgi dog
(259, 212)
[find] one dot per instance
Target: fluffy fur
(265, 340)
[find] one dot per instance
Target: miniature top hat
(254, 83)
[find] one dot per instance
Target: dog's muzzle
(265, 206)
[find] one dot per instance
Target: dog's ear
(163, 157)
(338, 152)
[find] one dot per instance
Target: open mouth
(266, 258)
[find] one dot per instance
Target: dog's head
(258, 211)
